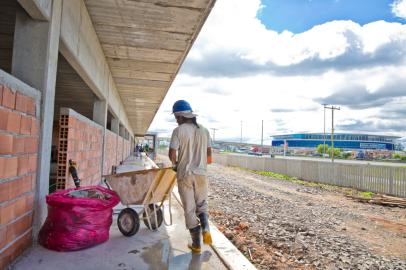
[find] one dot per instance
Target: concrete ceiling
(145, 43)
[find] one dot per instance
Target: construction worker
(193, 143)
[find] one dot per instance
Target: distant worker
(137, 150)
(147, 147)
(193, 143)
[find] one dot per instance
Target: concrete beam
(35, 58)
(100, 112)
(81, 48)
(37, 9)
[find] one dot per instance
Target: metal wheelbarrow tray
(149, 188)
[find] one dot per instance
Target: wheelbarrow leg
(155, 216)
(148, 218)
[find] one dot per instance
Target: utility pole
(214, 134)
(332, 108)
(262, 137)
(241, 133)
(324, 131)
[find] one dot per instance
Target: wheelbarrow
(149, 188)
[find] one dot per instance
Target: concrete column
(35, 58)
(115, 125)
(100, 112)
(100, 117)
(122, 131)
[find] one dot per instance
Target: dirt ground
(283, 225)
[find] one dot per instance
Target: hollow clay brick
(25, 125)
(30, 106)
(9, 98)
(6, 144)
(21, 102)
(3, 119)
(13, 122)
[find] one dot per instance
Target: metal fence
(379, 179)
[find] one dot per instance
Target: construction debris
(283, 225)
(381, 200)
(89, 193)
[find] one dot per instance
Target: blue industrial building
(344, 141)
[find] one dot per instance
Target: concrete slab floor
(162, 249)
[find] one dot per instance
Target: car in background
(255, 151)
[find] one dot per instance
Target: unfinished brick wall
(120, 149)
(81, 140)
(127, 148)
(124, 149)
(19, 129)
(117, 149)
(110, 156)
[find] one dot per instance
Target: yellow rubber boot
(195, 234)
(207, 238)
(194, 249)
(204, 223)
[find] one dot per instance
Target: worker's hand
(175, 167)
(209, 160)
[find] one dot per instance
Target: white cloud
(234, 28)
(281, 78)
(399, 8)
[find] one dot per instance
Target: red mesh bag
(78, 218)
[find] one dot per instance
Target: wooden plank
(186, 4)
(137, 65)
(146, 15)
(142, 54)
(140, 38)
(141, 75)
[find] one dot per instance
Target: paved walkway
(159, 250)
(162, 249)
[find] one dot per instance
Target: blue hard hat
(180, 106)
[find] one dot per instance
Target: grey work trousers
(193, 194)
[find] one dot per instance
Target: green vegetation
(366, 195)
(320, 148)
(290, 179)
(398, 156)
(273, 175)
(346, 155)
(343, 190)
(337, 151)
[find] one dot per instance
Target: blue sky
(300, 15)
(244, 67)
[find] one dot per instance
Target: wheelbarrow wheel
(159, 217)
(128, 222)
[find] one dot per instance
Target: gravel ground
(282, 225)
